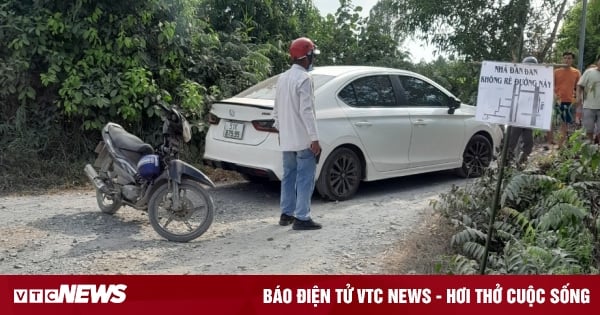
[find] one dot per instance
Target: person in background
(565, 85)
(588, 95)
(526, 134)
(294, 114)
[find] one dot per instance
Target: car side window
(420, 93)
(372, 91)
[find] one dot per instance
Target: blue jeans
(566, 112)
(298, 183)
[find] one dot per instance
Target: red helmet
(301, 47)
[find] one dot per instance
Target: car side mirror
(454, 104)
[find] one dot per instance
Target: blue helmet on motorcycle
(149, 166)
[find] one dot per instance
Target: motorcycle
(129, 172)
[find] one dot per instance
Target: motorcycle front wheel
(187, 222)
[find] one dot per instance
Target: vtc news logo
(73, 293)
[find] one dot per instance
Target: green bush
(68, 68)
(547, 223)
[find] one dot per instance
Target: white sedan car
(374, 123)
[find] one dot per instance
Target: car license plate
(234, 130)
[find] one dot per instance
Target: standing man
(588, 94)
(565, 85)
(526, 135)
(294, 113)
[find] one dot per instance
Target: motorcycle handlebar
(165, 108)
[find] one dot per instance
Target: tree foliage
(459, 77)
(274, 22)
(101, 61)
(569, 36)
(70, 67)
(480, 29)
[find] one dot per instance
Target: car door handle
(363, 124)
(420, 122)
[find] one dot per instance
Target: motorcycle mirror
(165, 108)
(169, 113)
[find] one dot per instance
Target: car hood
(466, 109)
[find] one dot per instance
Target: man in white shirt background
(588, 94)
(294, 114)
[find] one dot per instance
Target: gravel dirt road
(65, 233)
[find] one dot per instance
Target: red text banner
(306, 294)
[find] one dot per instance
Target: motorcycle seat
(126, 141)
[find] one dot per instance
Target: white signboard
(516, 94)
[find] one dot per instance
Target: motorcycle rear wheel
(192, 219)
(108, 204)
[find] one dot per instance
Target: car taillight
(264, 125)
(213, 119)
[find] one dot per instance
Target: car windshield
(265, 90)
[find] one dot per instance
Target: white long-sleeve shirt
(294, 110)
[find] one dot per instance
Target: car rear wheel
(340, 176)
(476, 157)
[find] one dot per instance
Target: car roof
(340, 70)
(338, 73)
(343, 71)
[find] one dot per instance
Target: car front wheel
(340, 176)
(477, 157)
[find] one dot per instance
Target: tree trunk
(550, 41)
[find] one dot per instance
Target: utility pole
(582, 36)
